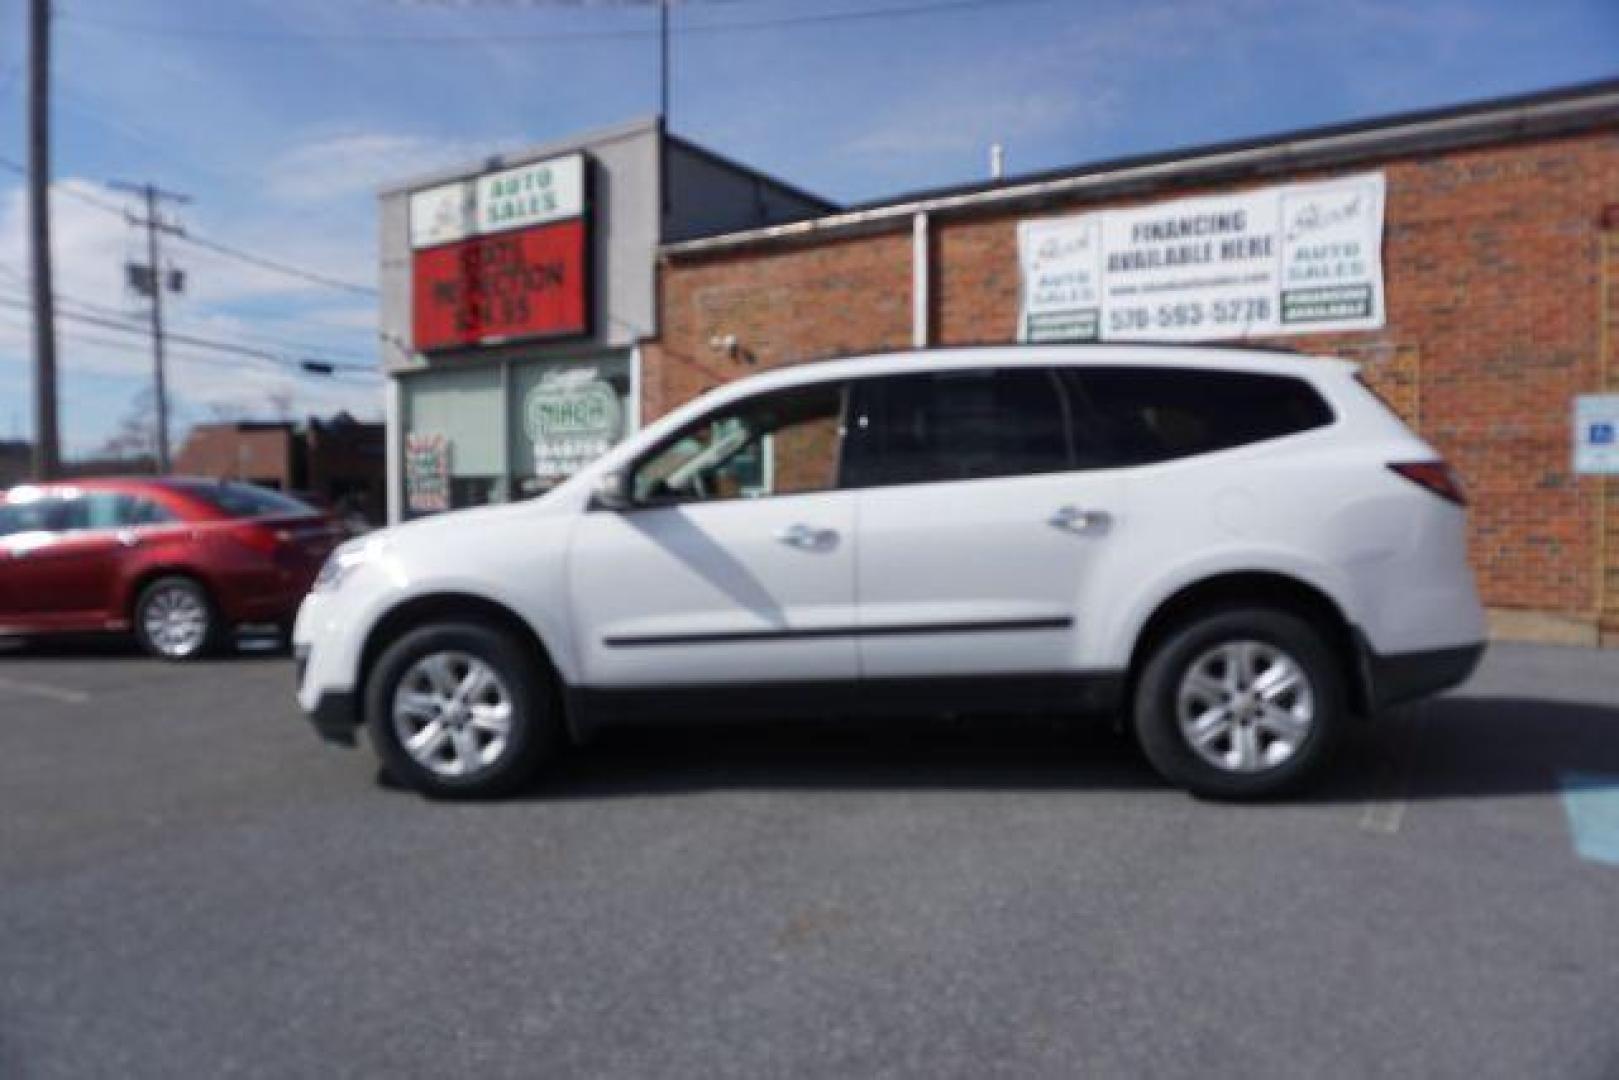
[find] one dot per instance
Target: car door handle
(1077, 519)
(807, 537)
(128, 538)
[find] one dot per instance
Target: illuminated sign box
(501, 257)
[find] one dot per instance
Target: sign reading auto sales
(1280, 260)
(501, 257)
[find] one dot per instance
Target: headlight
(341, 563)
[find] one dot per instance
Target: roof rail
(1228, 346)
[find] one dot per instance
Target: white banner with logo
(1299, 258)
(533, 194)
(572, 418)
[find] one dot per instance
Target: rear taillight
(1436, 476)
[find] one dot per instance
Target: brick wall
(262, 454)
(1493, 270)
(844, 296)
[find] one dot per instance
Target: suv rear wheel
(1240, 703)
(459, 710)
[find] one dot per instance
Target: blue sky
(281, 117)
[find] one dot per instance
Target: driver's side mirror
(612, 491)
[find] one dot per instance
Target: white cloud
(324, 168)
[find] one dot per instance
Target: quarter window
(1144, 415)
(112, 510)
(786, 443)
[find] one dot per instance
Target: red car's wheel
(176, 620)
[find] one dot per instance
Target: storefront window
(506, 431)
(453, 452)
(564, 415)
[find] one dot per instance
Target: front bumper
(335, 714)
(1400, 677)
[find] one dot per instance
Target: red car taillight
(1435, 476)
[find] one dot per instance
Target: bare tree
(280, 404)
(136, 433)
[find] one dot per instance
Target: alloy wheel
(1245, 706)
(452, 714)
(176, 621)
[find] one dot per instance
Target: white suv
(1237, 550)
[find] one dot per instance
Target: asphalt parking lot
(190, 884)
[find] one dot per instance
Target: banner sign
(1596, 434)
(501, 257)
(533, 194)
(571, 419)
(508, 287)
(427, 472)
(1299, 258)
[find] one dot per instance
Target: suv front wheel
(460, 710)
(1240, 703)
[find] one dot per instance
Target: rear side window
(248, 500)
(1144, 415)
(110, 510)
(77, 511)
(36, 515)
(964, 425)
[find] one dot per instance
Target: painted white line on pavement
(1386, 812)
(51, 693)
(1383, 816)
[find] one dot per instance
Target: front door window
(777, 444)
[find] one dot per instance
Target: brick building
(338, 462)
(1500, 304)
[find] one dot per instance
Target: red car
(178, 561)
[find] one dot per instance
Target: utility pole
(152, 282)
(663, 59)
(663, 107)
(47, 447)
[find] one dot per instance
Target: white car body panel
(922, 563)
(713, 575)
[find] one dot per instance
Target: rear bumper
(334, 714)
(1399, 677)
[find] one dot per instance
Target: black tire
(534, 734)
(163, 591)
(1157, 694)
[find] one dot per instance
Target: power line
(216, 246)
(194, 354)
(108, 311)
(266, 263)
(133, 327)
(284, 38)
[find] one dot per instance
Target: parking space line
(1385, 815)
(1592, 803)
(44, 690)
(1385, 812)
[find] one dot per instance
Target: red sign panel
(527, 283)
